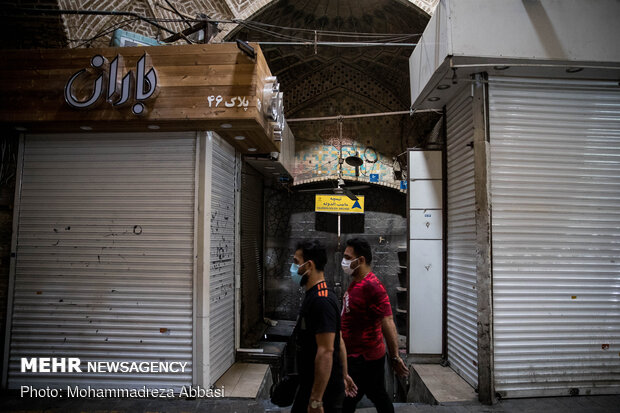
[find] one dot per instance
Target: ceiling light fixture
(239, 137)
(433, 99)
(246, 49)
(86, 128)
(225, 126)
(153, 127)
(251, 149)
(443, 87)
(20, 129)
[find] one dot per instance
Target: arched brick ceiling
(376, 68)
(338, 80)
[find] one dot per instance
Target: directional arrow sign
(339, 204)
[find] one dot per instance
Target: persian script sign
(339, 203)
(110, 86)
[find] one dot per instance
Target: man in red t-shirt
(366, 318)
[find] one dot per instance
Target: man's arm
(350, 389)
(391, 337)
(322, 364)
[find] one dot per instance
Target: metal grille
(105, 256)
(555, 181)
(462, 294)
(222, 294)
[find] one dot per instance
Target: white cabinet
(426, 286)
(425, 224)
(425, 252)
(425, 193)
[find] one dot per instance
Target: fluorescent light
(225, 126)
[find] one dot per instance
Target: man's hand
(350, 389)
(400, 368)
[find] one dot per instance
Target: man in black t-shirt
(321, 357)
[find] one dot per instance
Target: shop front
(125, 245)
(532, 109)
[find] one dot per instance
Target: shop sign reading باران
(116, 90)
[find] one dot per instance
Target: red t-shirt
(364, 306)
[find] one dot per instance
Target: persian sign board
(117, 90)
(176, 88)
(339, 204)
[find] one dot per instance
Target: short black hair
(361, 248)
(313, 250)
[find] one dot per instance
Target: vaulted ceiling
(339, 66)
(329, 80)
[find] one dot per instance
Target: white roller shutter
(555, 182)
(462, 294)
(222, 282)
(104, 259)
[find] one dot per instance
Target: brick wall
(95, 31)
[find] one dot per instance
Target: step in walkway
(434, 384)
(246, 381)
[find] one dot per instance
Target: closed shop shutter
(104, 262)
(462, 295)
(222, 282)
(555, 182)
(251, 256)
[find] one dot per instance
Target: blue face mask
(294, 273)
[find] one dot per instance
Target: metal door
(222, 282)
(461, 249)
(104, 257)
(555, 183)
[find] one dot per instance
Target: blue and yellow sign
(339, 203)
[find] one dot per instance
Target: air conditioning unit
(122, 38)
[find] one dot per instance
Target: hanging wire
(329, 32)
(263, 28)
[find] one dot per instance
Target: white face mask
(346, 266)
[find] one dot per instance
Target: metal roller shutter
(104, 260)
(251, 255)
(555, 182)
(462, 294)
(222, 304)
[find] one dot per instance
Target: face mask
(297, 278)
(346, 266)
